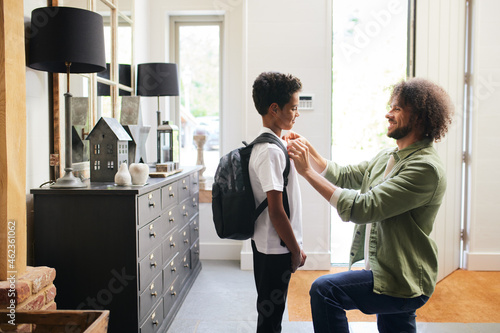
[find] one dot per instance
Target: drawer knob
(185, 214)
(196, 229)
(155, 323)
(152, 204)
(154, 264)
(186, 265)
(152, 234)
(174, 269)
(171, 195)
(154, 294)
(171, 220)
(173, 293)
(186, 241)
(172, 244)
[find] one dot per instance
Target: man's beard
(401, 132)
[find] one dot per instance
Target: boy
(277, 239)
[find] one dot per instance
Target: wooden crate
(84, 321)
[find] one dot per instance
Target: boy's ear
(274, 107)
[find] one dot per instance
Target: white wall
(294, 36)
(483, 250)
(263, 36)
(37, 117)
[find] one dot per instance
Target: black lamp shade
(157, 79)
(124, 77)
(66, 34)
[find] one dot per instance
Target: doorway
(370, 54)
(197, 47)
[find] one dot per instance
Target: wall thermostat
(306, 102)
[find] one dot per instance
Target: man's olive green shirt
(402, 207)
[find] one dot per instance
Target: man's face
(289, 113)
(401, 121)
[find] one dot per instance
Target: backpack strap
(270, 138)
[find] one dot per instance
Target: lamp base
(68, 181)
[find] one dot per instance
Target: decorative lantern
(168, 147)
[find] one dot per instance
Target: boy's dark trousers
(272, 275)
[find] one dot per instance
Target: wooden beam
(12, 140)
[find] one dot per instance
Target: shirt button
(358, 233)
(352, 254)
(370, 188)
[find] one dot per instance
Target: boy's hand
(298, 260)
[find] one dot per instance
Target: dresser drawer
(172, 218)
(184, 266)
(150, 296)
(154, 320)
(194, 229)
(170, 272)
(189, 208)
(195, 254)
(184, 239)
(170, 245)
(168, 195)
(150, 237)
(149, 267)
(195, 184)
(171, 295)
(184, 186)
(149, 206)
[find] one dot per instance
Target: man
(393, 200)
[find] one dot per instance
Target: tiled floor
(222, 300)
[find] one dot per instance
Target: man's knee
(318, 287)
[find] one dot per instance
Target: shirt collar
(405, 152)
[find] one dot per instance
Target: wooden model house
(108, 149)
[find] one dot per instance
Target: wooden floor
(462, 297)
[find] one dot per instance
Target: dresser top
(106, 188)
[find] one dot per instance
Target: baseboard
(479, 261)
(316, 261)
(220, 251)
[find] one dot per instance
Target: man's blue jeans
(332, 294)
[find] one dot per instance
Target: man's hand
(298, 260)
(291, 135)
(299, 153)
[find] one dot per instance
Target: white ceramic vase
(139, 173)
(123, 177)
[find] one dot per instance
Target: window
(197, 46)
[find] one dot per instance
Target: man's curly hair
(429, 103)
(274, 87)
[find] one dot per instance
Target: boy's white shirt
(266, 166)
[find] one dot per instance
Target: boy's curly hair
(429, 103)
(274, 87)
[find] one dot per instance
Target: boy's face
(286, 116)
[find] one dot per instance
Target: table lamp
(157, 79)
(67, 40)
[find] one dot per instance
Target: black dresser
(133, 250)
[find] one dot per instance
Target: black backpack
(233, 203)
